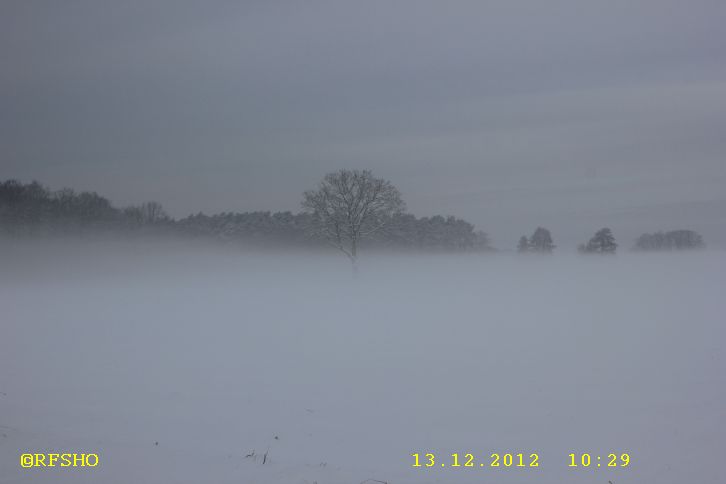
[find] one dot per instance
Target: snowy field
(173, 365)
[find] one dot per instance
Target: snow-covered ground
(174, 364)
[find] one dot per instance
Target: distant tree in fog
(673, 240)
(152, 212)
(133, 215)
(148, 213)
(541, 241)
(349, 206)
(523, 244)
(603, 242)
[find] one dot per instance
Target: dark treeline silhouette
(252, 228)
(404, 231)
(540, 242)
(603, 242)
(673, 240)
(33, 209)
(433, 233)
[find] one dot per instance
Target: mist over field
(182, 363)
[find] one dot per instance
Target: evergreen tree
(541, 241)
(523, 245)
(603, 242)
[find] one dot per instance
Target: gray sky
(511, 114)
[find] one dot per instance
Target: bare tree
(351, 205)
(152, 212)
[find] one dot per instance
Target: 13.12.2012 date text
(468, 460)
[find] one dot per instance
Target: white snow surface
(174, 363)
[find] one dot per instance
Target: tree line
(348, 210)
(33, 209)
(673, 240)
(603, 242)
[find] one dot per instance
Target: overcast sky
(511, 114)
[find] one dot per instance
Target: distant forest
(33, 209)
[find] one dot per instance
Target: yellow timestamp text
(496, 459)
(528, 460)
(590, 460)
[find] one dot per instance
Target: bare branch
(349, 206)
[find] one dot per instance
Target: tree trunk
(354, 257)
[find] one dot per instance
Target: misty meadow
(239, 347)
(179, 363)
